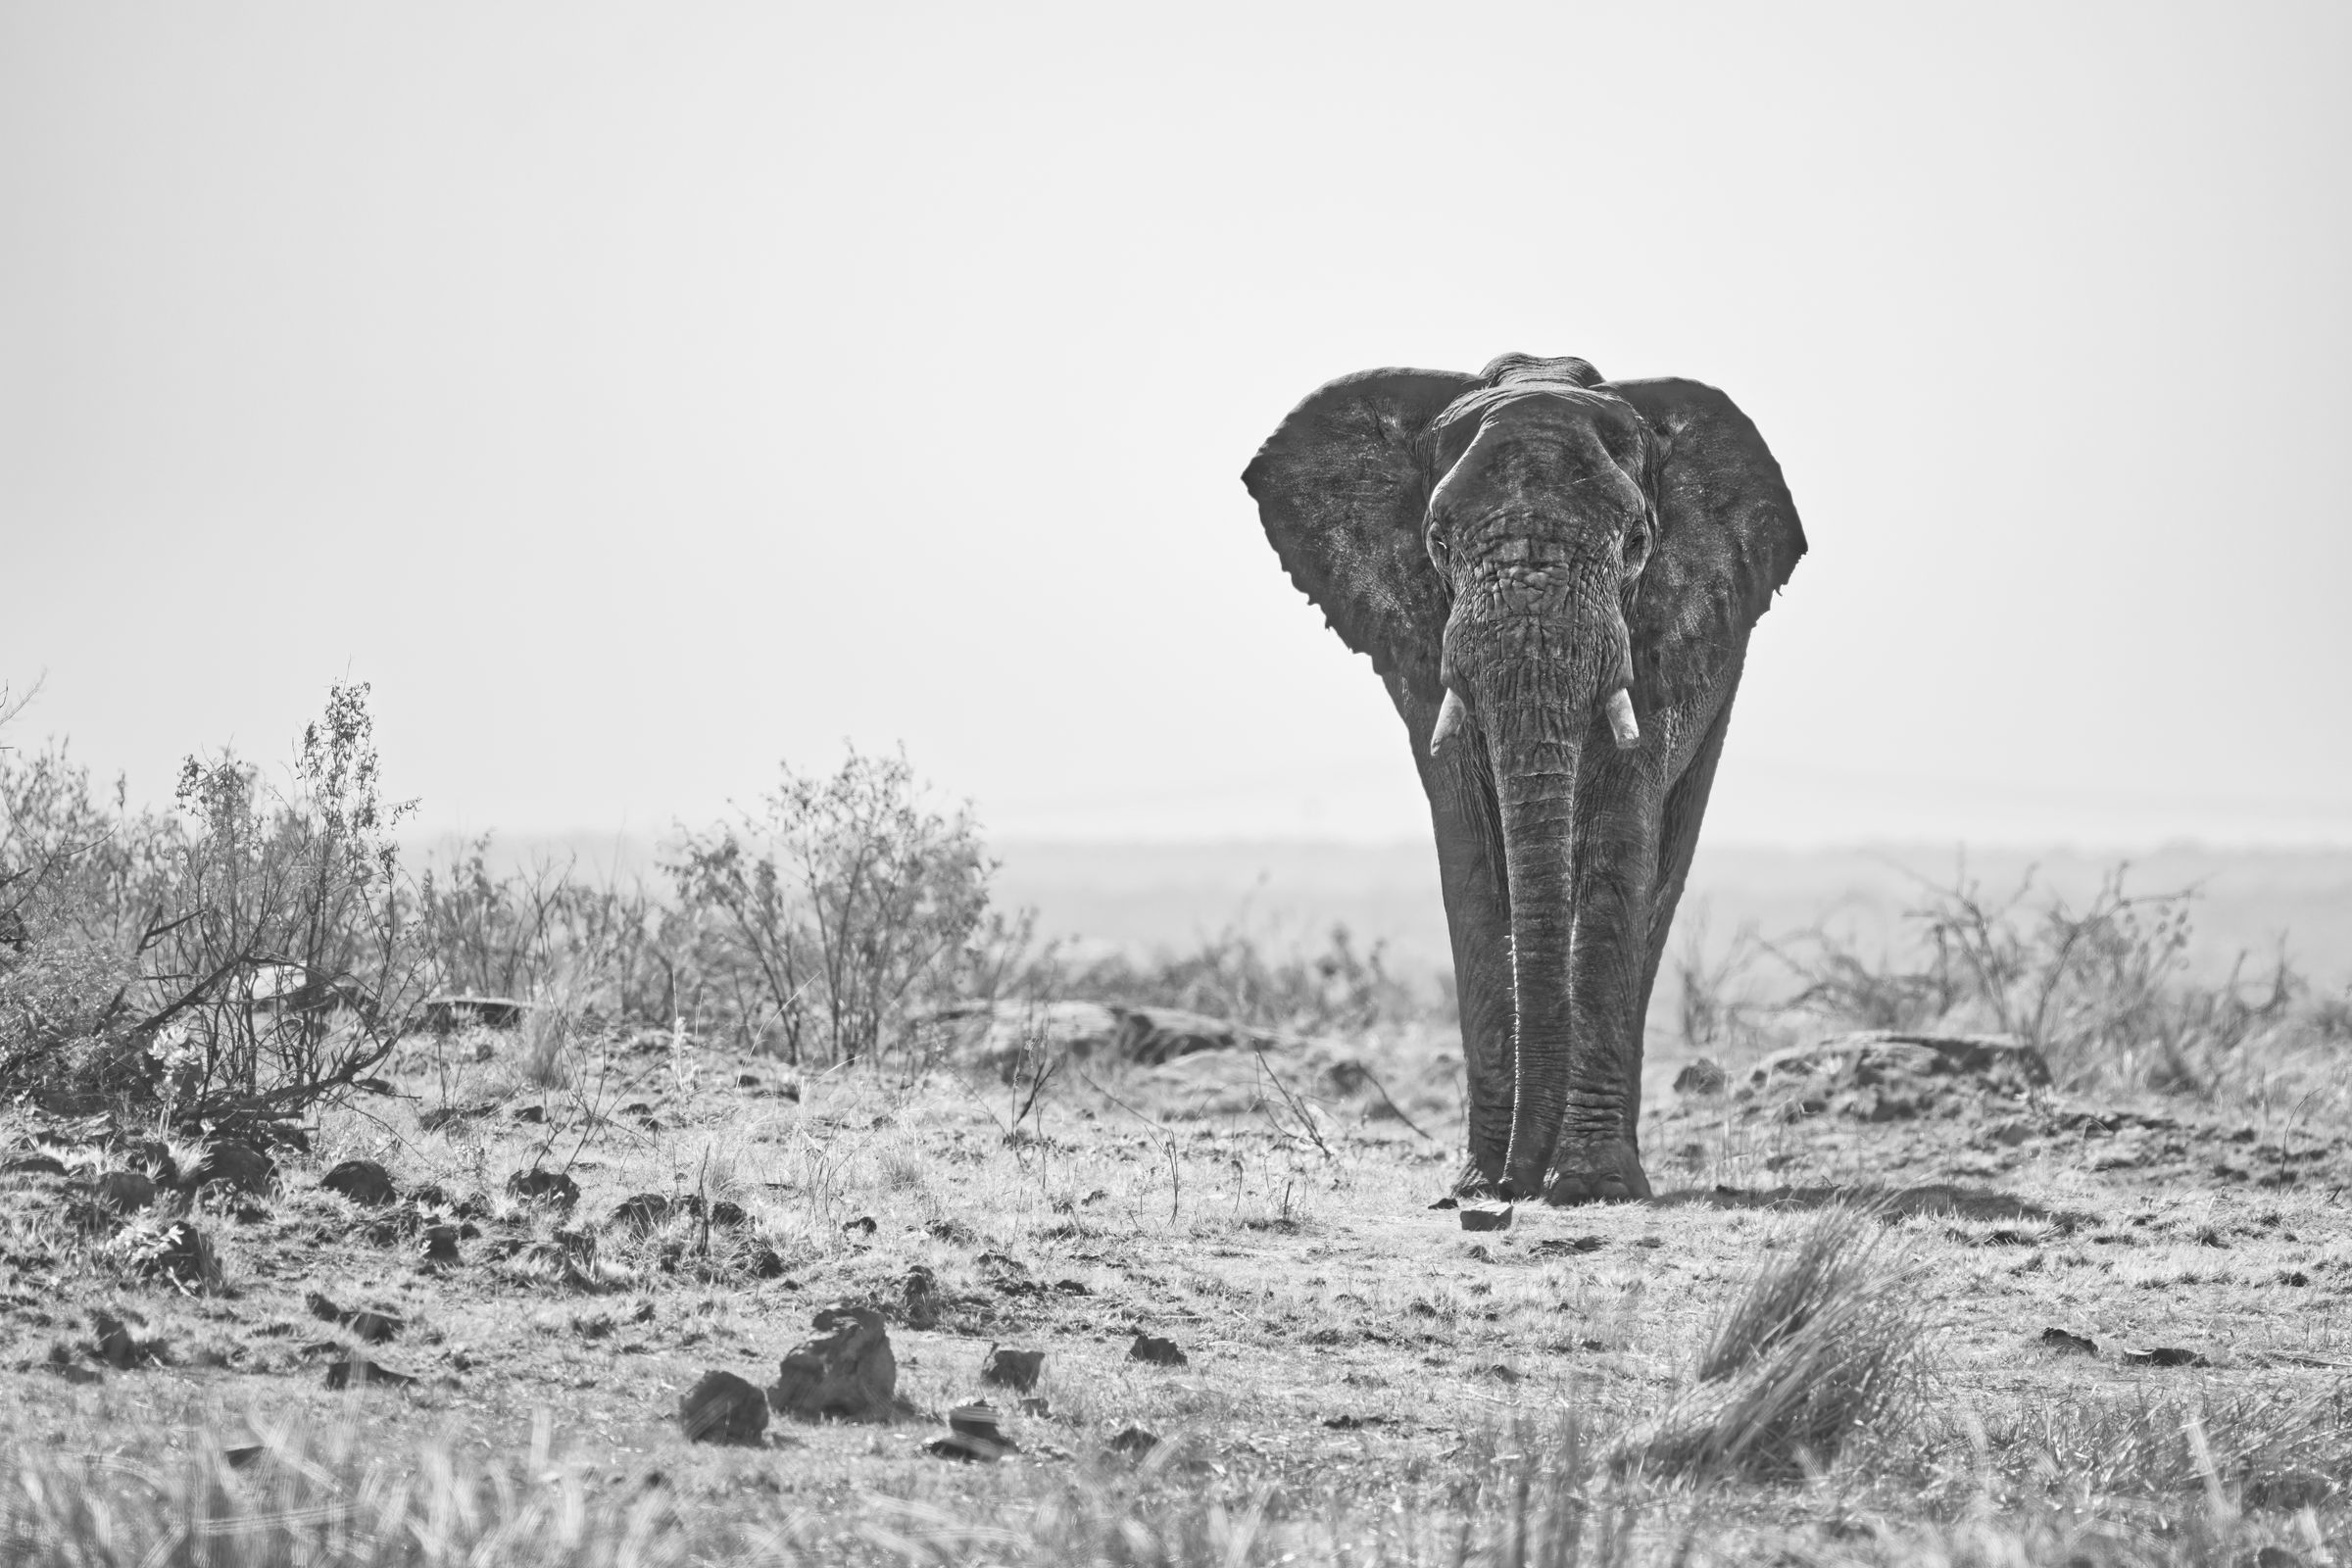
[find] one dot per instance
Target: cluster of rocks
(848, 1371)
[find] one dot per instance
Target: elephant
(1555, 576)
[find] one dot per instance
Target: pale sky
(638, 397)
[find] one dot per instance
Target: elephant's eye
(1437, 549)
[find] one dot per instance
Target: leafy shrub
(250, 945)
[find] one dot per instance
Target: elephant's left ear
(1727, 538)
(1342, 486)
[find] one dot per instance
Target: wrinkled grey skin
(1535, 538)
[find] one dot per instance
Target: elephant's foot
(1603, 1171)
(1474, 1185)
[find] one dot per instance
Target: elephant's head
(1551, 558)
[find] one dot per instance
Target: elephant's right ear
(1342, 486)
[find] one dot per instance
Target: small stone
(239, 1165)
(863, 1227)
(1072, 1288)
(1702, 1077)
(1487, 1215)
(722, 1407)
(846, 1370)
(1016, 1370)
(2067, 1344)
(549, 1187)
(530, 1113)
(1158, 1351)
(363, 1181)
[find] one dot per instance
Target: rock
(1701, 1078)
(2067, 1344)
(1133, 1442)
(1485, 1215)
(114, 1341)
(549, 1187)
(360, 1372)
(646, 1212)
(722, 1407)
(846, 1370)
(1879, 1075)
(728, 1215)
(363, 1181)
(1016, 1370)
(439, 1244)
(122, 1192)
(1157, 1351)
(2164, 1355)
(919, 1297)
(974, 1434)
(240, 1165)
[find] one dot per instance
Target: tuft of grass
(1827, 1342)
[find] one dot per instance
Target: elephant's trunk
(1535, 766)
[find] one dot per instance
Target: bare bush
(2102, 991)
(837, 904)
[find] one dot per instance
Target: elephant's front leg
(1619, 819)
(1478, 920)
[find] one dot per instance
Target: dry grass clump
(1827, 1342)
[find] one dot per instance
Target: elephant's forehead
(1537, 407)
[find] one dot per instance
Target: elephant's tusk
(1621, 719)
(1452, 715)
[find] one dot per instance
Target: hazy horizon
(637, 398)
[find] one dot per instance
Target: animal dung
(1016, 1370)
(848, 1369)
(1158, 1351)
(722, 1407)
(2067, 1344)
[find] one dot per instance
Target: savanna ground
(1827, 1339)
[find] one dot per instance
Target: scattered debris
(1016, 1370)
(722, 1407)
(1158, 1351)
(848, 1370)
(363, 1181)
(1566, 1245)
(2164, 1355)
